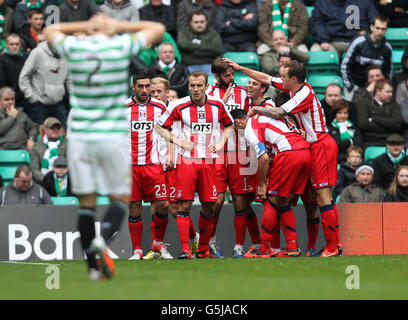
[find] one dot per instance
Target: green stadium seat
(396, 60)
(241, 79)
(14, 157)
(211, 79)
(337, 198)
(320, 82)
(7, 173)
(102, 200)
(309, 11)
(323, 62)
(65, 201)
(373, 152)
(397, 37)
(245, 59)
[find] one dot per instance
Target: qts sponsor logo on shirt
(197, 127)
(142, 126)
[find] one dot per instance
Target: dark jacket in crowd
(186, 7)
(342, 145)
(360, 55)
(401, 75)
(330, 116)
(85, 10)
(178, 77)
(49, 185)
(397, 19)
(345, 176)
(384, 170)
(239, 30)
(200, 48)
(164, 14)
(27, 40)
(328, 20)
(400, 196)
(10, 68)
(9, 195)
(386, 119)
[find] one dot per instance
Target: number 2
(89, 82)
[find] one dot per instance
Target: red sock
(183, 225)
(215, 222)
(328, 224)
(253, 227)
(312, 232)
(268, 223)
(205, 225)
(135, 225)
(288, 222)
(337, 226)
(191, 230)
(275, 243)
(240, 223)
(160, 226)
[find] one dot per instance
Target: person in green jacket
(199, 44)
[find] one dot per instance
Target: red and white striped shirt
(306, 108)
(237, 100)
(261, 130)
(144, 139)
(199, 124)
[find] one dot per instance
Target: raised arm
(254, 74)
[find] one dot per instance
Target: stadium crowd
(370, 110)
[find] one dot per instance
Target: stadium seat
(397, 37)
(14, 157)
(102, 200)
(245, 59)
(211, 79)
(7, 173)
(396, 60)
(65, 201)
(323, 62)
(320, 82)
(373, 152)
(241, 79)
(309, 11)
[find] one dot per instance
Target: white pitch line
(32, 263)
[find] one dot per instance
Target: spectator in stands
(43, 80)
(374, 73)
(398, 190)
(280, 45)
(402, 99)
(362, 190)
(386, 165)
(57, 181)
(122, 10)
(149, 55)
(379, 116)
(343, 131)
(330, 23)
(30, 33)
(402, 75)
(331, 95)
(289, 16)
(22, 10)
(11, 63)
(347, 172)
(365, 50)
(186, 7)
(17, 130)
(199, 44)
(236, 21)
(171, 95)
(169, 68)
(395, 10)
(159, 12)
(51, 146)
(78, 10)
(6, 22)
(22, 190)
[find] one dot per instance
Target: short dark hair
(339, 105)
(196, 74)
(141, 75)
(238, 114)
(23, 168)
(382, 18)
(281, 99)
(297, 70)
(219, 66)
(198, 13)
(34, 11)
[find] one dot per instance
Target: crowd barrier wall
(50, 232)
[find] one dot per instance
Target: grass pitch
(380, 277)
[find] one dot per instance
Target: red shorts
(289, 173)
(170, 177)
(148, 183)
(324, 162)
(308, 196)
(235, 173)
(196, 175)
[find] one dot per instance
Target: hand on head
(101, 23)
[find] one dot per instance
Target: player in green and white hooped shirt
(98, 148)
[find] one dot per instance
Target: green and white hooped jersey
(99, 69)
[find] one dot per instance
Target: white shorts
(101, 167)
